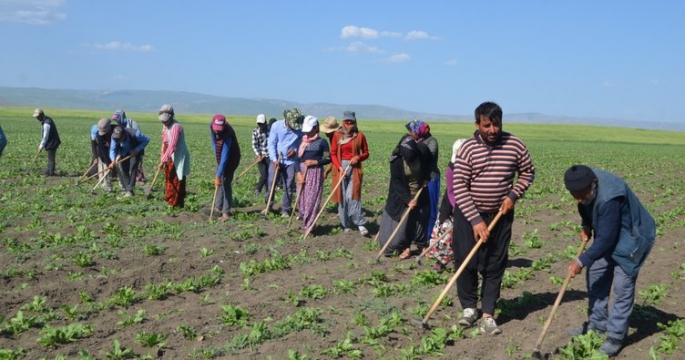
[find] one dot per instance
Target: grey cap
(104, 126)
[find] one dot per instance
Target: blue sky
(617, 59)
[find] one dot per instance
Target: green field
(94, 276)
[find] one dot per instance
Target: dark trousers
(263, 167)
(128, 171)
(490, 260)
(52, 156)
(224, 194)
(286, 177)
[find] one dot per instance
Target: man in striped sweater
(492, 170)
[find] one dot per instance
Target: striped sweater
(484, 174)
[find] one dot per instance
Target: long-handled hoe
(323, 207)
(78, 181)
(536, 350)
(273, 187)
(211, 212)
(32, 163)
(105, 170)
(92, 191)
(297, 196)
(148, 189)
(246, 170)
(424, 323)
(397, 228)
(432, 245)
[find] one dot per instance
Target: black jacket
(53, 137)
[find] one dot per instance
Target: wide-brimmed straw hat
(329, 125)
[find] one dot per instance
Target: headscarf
(418, 127)
(305, 141)
(347, 134)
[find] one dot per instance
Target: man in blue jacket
(624, 234)
(284, 140)
(127, 142)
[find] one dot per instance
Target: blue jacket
(632, 239)
(135, 140)
(281, 140)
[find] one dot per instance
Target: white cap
(166, 113)
(37, 112)
(261, 119)
(309, 123)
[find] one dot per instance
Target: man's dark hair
(491, 111)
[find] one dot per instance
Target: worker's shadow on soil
(644, 319)
(520, 263)
(523, 305)
(334, 229)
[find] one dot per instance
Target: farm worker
(484, 173)
(259, 146)
(50, 140)
(3, 141)
(174, 159)
(409, 172)
(119, 116)
(624, 233)
(127, 142)
(227, 154)
(329, 127)
(103, 137)
(442, 251)
(93, 169)
(313, 154)
(349, 148)
(284, 140)
(422, 131)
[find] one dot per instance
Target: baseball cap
(166, 113)
(37, 112)
(118, 133)
(218, 122)
(310, 122)
(103, 126)
(261, 119)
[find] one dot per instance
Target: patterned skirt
(442, 251)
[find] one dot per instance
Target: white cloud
(119, 46)
(398, 58)
(451, 62)
(391, 34)
(608, 84)
(351, 31)
(417, 35)
(357, 47)
(31, 12)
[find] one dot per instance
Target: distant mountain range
(186, 102)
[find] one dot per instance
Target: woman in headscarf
(175, 158)
(349, 148)
(420, 131)
(313, 155)
(409, 172)
(442, 251)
